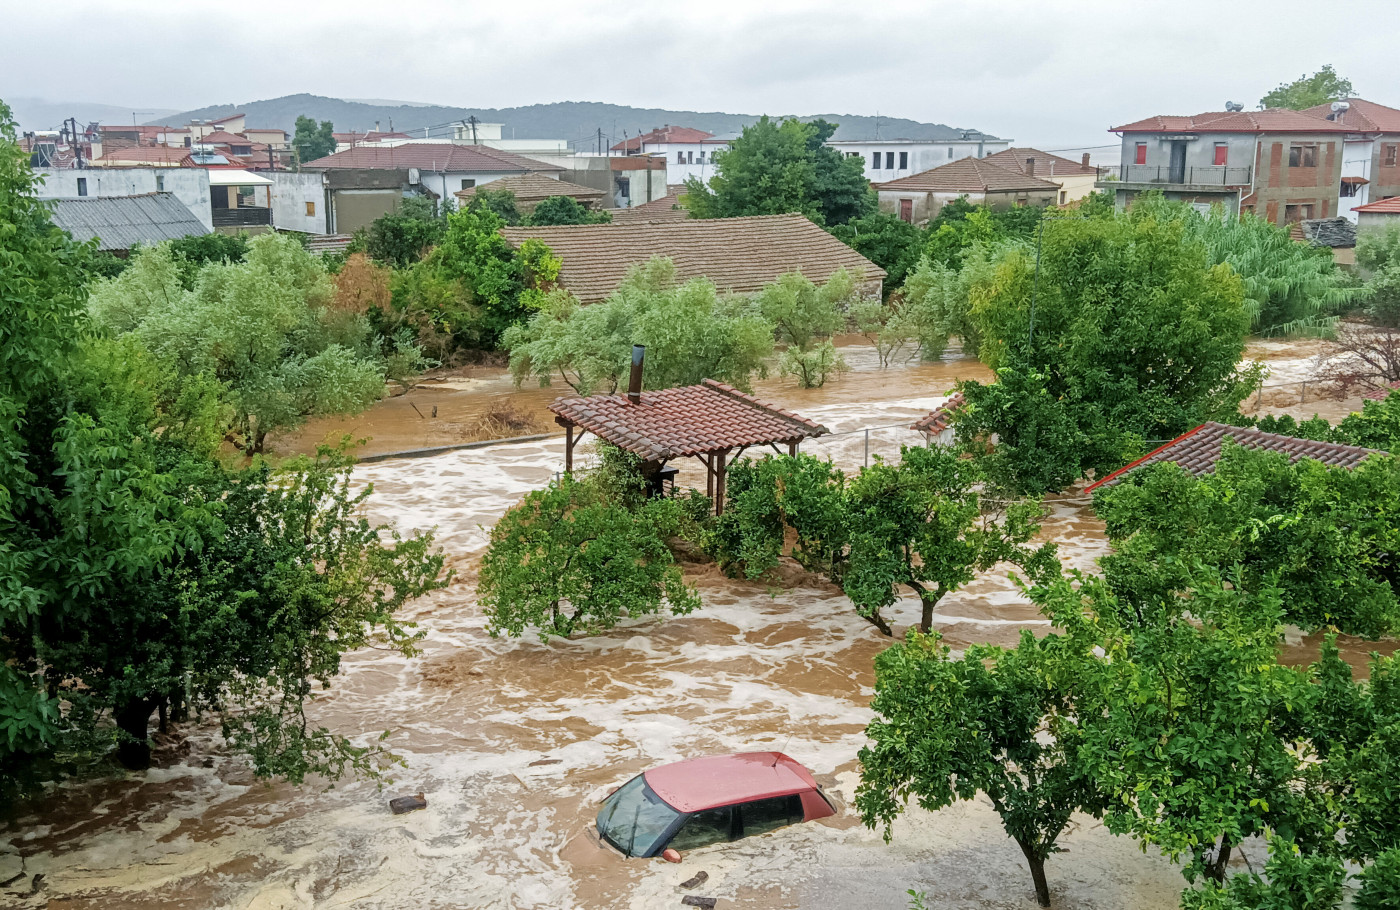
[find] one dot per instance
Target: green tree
(938, 301)
(775, 168)
(890, 242)
(262, 328)
(1292, 880)
(690, 331)
(805, 317)
(565, 210)
(1309, 91)
(989, 722)
(568, 560)
(1323, 535)
(404, 237)
(500, 203)
(1380, 884)
(312, 141)
(919, 525)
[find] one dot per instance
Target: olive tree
(805, 317)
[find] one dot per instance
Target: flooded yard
(513, 742)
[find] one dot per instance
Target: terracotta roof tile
(1270, 121)
(690, 420)
(967, 175)
(1362, 116)
(1199, 450)
(1046, 164)
(940, 418)
(667, 208)
(1389, 206)
(665, 134)
(437, 156)
(1381, 394)
(741, 255)
(533, 187)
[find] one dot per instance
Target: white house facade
(891, 159)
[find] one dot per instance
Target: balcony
(248, 216)
(1199, 178)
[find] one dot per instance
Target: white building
(298, 201)
(891, 159)
(188, 184)
(687, 152)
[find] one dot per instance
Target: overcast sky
(1055, 73)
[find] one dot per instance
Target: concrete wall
(446, 185)
(1073, 187)
(922, 155)
(928, 205)
(1369, 220)
(292, 193)
(188, 184)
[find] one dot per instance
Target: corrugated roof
(737, 254)
(667, 208)
(1270, 121)
(1389, 206)
(1046, 164)
(967, 175)
(436, 156)
(1362, 116)
(534, 187)
(690, 420)
(1199, 450)
(121, 222)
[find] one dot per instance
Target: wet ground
(514, 742)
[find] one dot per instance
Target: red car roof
(723, 780)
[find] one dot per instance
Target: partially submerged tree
(989, 722)
(569, 559)
(804, 318)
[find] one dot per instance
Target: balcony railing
(1203, 175)
(247, 216)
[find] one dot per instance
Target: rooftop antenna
(781, 751)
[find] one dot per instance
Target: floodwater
(514, 742)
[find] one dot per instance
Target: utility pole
(73, 138)
(473, 121)
(600, 140)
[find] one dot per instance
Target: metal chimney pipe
(634, 384)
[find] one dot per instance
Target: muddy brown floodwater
(514, 741)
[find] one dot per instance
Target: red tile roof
(967, 175)
(1046, 164)
(690, 420)
(1198, 450)
(667, 208)
(1362, 116)
(665, 134)
(940, 418)
(741, 255)
(228, 118)
(1381, 394)
(1389, 206)
(1270, 121)
(219, 137)
(534, 187)
(435, 156)
(154, 155)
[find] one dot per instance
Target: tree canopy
(775, 168)
(1309, 91)
(312, 141)
(564, 210)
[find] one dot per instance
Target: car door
(708, 826)
(764, 815)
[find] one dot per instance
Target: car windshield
(634, 819)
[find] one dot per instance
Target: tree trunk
(1216, 868)
(928, 603)
(1037, 864)
(878, 622)
(134, 752)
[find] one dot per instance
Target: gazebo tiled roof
(685, 421)
(941, 417)
(1198, 450)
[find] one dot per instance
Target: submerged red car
(702, 801)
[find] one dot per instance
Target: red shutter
(1222, 153)
(1141, 153)
(906, 210)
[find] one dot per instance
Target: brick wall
(1385, 181)
(1278, 186)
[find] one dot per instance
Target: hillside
(40, 114)
(577, 121)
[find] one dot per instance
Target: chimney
(1030, 167)
(1085, 159)
(634, 384)
(376, 126)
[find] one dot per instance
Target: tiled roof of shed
(741, 255)
(1330, 232)
(1381, 394)
(940, 418)
(690, 420)
(667, 208)
(1198, 450)
(121, 222)
(533, 188)
(1046, 164)
(665, 134)
(967, 175)
(435, 156)
(1389, 206)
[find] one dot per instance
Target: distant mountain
(39, 114)
(577, 121)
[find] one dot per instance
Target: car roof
(723, 780)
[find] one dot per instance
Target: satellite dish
(1233, 106)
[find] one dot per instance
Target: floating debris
(402, 804)
(691, 900)
(699, 879)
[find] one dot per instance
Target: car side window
(712, 826)
(764, 815)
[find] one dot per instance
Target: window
(187, 142)
(689, 157)
(634, 818)
(1222, 153)
(1347, 190)
(1063, 195)
(624, 187)
(906, 210)
(903, 161)
(889, 160)
(950, 153)
(1301, 212)
(680, 157)
(468, 182)
(1302, 156)
(1140, 154)
(712, 826)
(160, 183)
(874, 161)
(1389, 153)
(764, 815)
(310, 209)
(82, 186)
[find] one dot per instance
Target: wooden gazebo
(712, 422)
